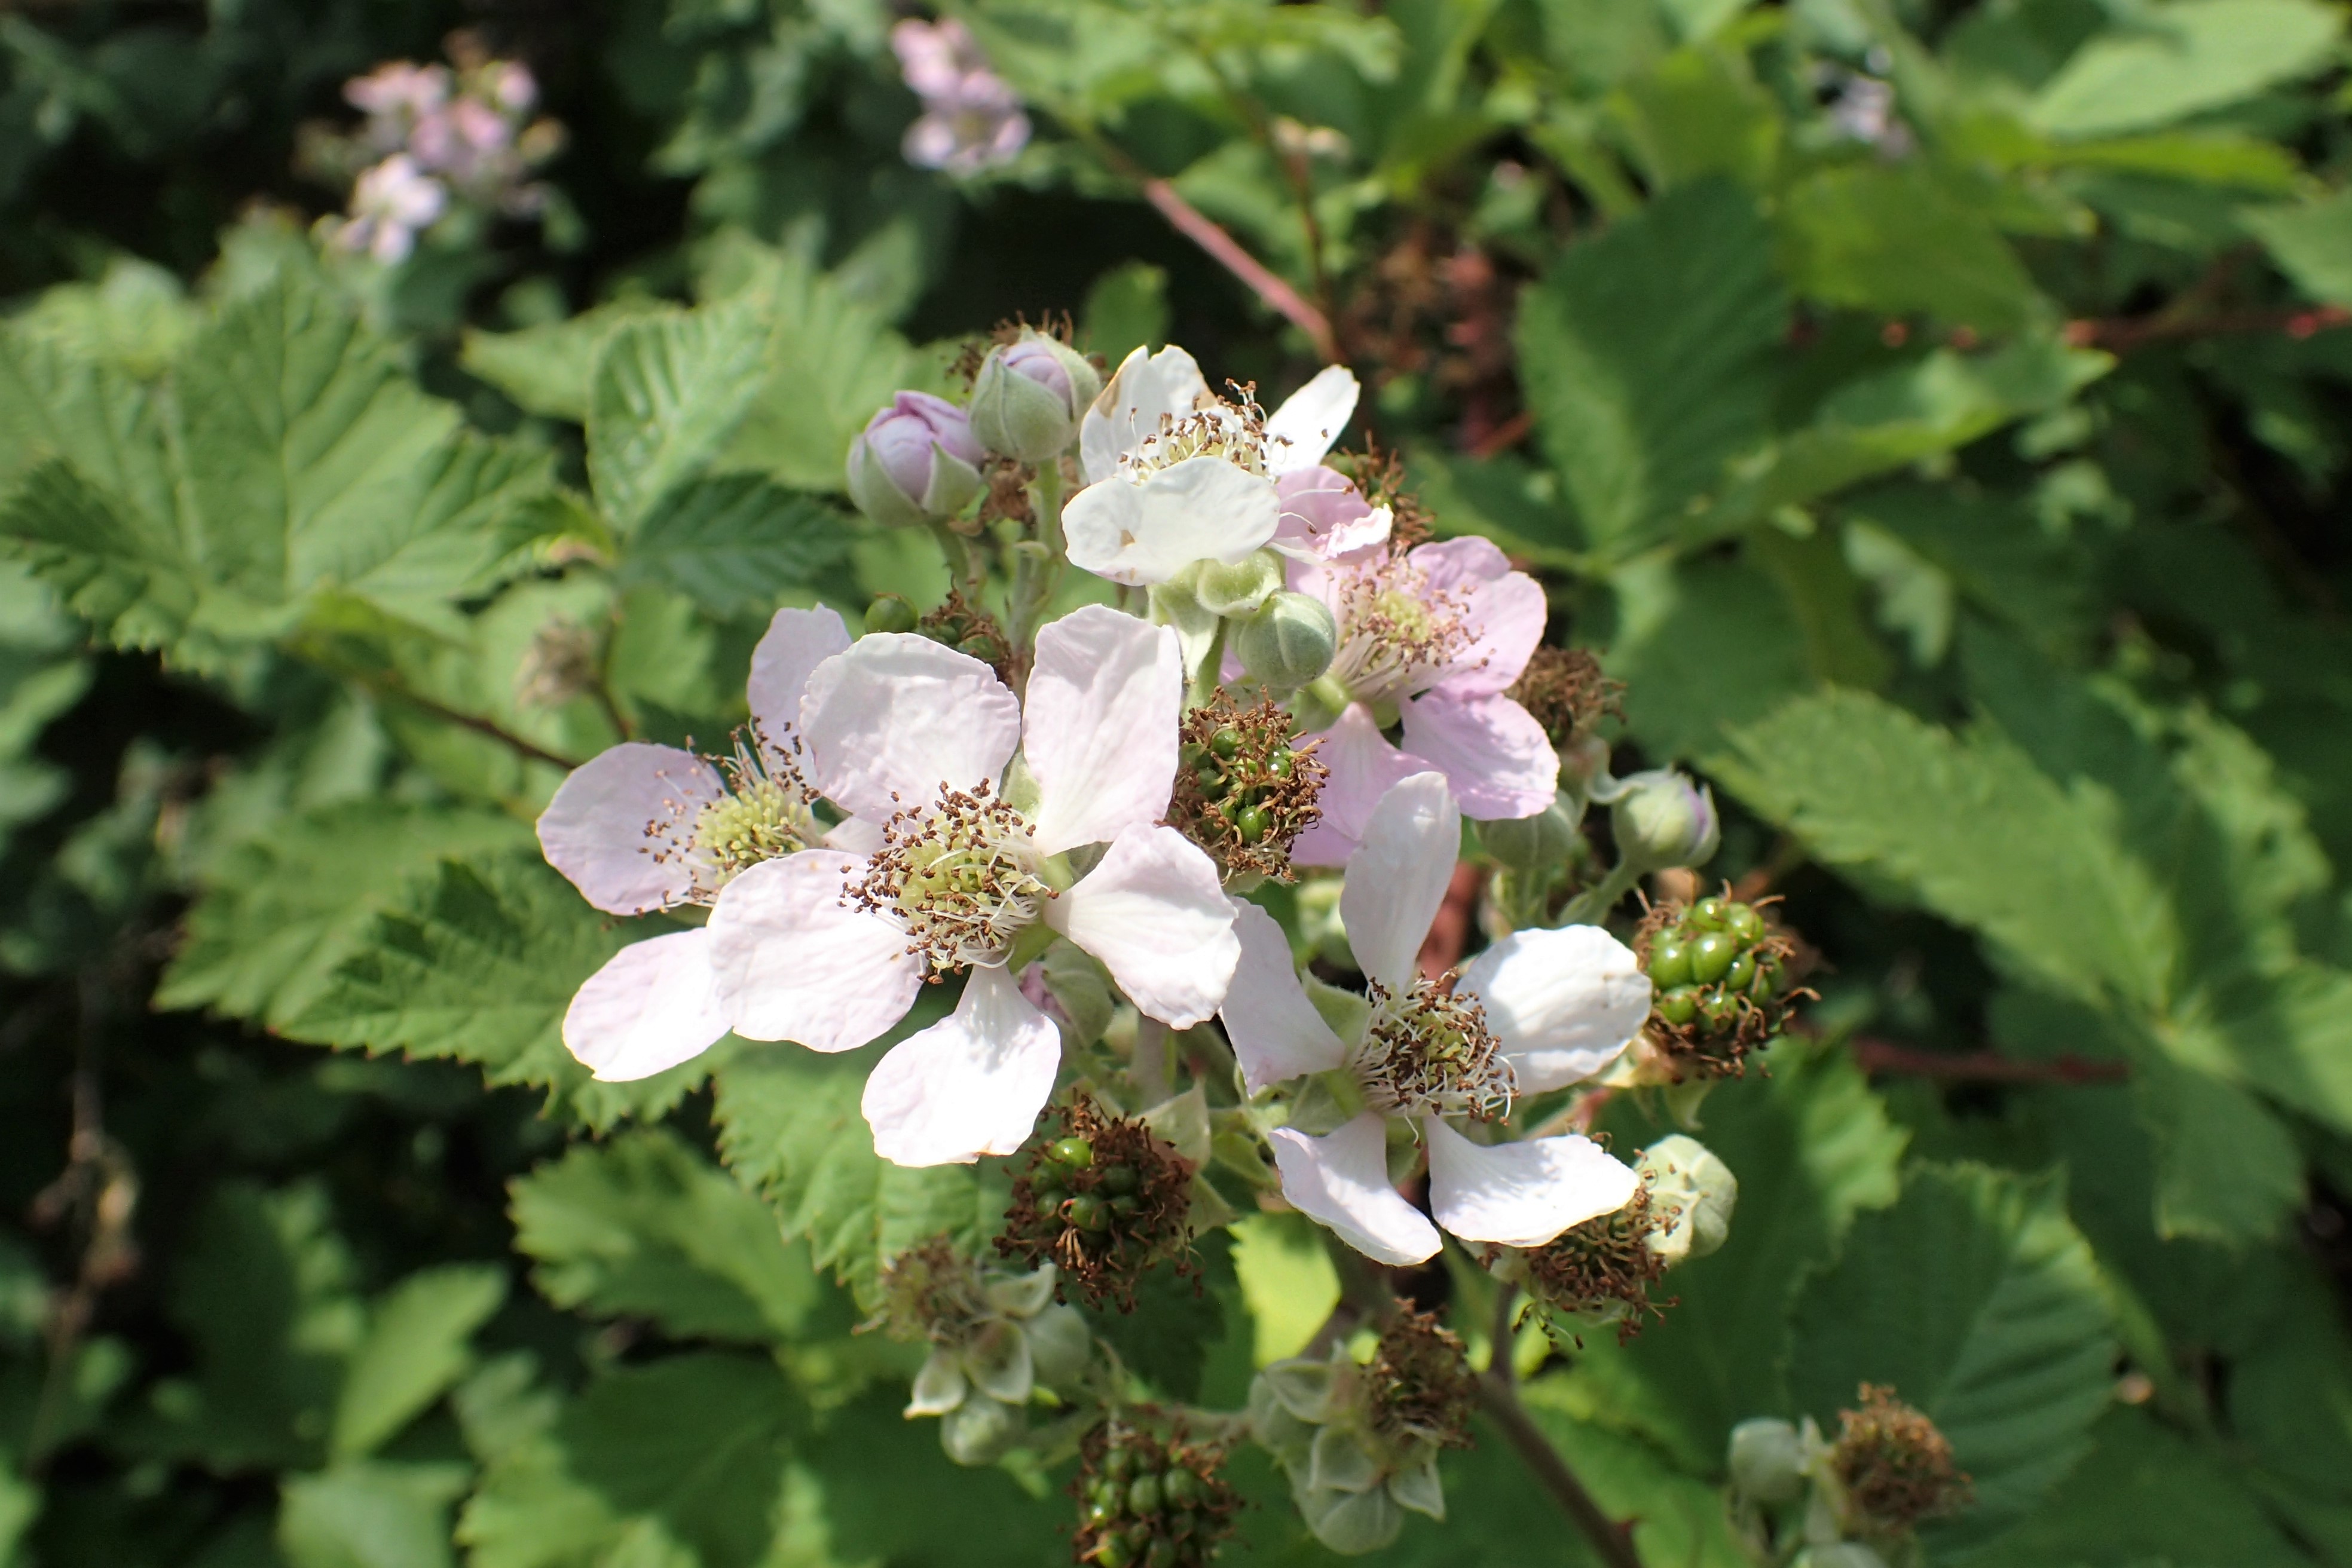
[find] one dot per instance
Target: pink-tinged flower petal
(1099, 728)
(618, 813)
(1152, 912)
(1145, 387)
(1302, 430)
(1203, 508)
(1522, 1194)
(888, 722)
(1491, 750)
(970, 1084)
(795, 962)
(1398, 876)
(1324, 516)
(1563, 1003)
(796, 643)
(652, 1005)
(1506, 608)
(1341, 1181)
(1364, 766)
(1276, 1030)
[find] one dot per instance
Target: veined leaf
(1976, 1300)
(1891, 239)
(2166, 62)
(2312, 243)
(644, 1227)
(1645, 355)
(370, 1514)
(738, 542)
(416, 1348)
(669, 391)
(551, 369)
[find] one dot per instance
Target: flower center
(1430, 1052)
(1398, 634)
(962, 876)
(765, 815)
(1236, 433)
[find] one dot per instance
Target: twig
(480, 726)
(1503, 437)
(1984, 1066)
(2121, 335)
(1499, 1395)
(1226, 252)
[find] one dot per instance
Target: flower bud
(1698, 1190)
(1767, 1460)
(1028, 397)
(891, 613)
(916, 462)
(1240, 588)
(1662, 819)
(1288, 642)
(1535, 844)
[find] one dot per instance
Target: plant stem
(1499, 1395)
(1595, 902)
(392, 692)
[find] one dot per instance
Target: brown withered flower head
(1895, 1467)
(1105, 1201)
(968, 628)
(1380, 476)
(1421, 1383)
(1600, 1272)
(1243, 792)
(1566, 693)
(1149, 1495)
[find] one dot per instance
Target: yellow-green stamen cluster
(1430, 1052)
(961, 877)
(1397, 634)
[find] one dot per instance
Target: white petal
(620, 810)
(856, 836)
(796, 643)
(1364, 768)
(889, 721)
(1128, 408)
(1522, 1194)
(1100, 726)
(1302, 430)
(796, 963)
(1563, 1003)
(1151, 909)
(652, 1005)
(970, 1084)
(1203, 508)
(1341, 1181)
(1398, 876)
(1276, 1030)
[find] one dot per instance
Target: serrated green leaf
(1645, 354)
(2312, 243)
(549, 370)
(1891, 239)
(370, 1514)
(678, 1463)
(1700, 646)
(280, 911)
(478, 962)
(669, 391)
(790, 1128)
(418, 1346)
(1165, 1340)
(2162, 63)
(2226, 1170)
(738, 542)
(1976, 1300)
(643, 1227)
(1967, 826)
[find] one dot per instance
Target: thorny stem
(1499, 1395)
(1984, 1066)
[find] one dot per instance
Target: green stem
(1206, 679)
(1037, 572)
(1594, 902)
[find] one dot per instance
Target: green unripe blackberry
(1711, 956)
(1679, 1006)
(1089, 1212)
(1182, 1487)
(891, 613)
(1708, 914)
(1670, 964)
(1075, 1153)
(1741, 974)
(1120, 1180)
(1143, 1495)
(1744, 925)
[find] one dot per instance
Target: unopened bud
(1662, 819)
(1028, 397)
(891, 613)
(1288, 642)
(1237, 590)
(1583, 764)
(1535, 844)
(1699, 1191)
(1767, 1460)
(916, 462)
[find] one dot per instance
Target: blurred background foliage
(1938, 413)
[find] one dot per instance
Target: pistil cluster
(1104, 1203)
(1895, 1467)
(1421, 1388)
(1243, 792)
(1233, 431)
(1601, 1271)
(765, 815)
(1721, 970)
(1428, 1051)
(1148, 1500)
(959, 876)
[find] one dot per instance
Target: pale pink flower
(1538, 1010)
(1176, 474)
(391, 202)
(641, 828)
(971, 117)
(1432, 637)
(944, 867)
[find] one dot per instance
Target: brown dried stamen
(1243, 792)
(1566, 693)
(960, 875)
(932, 1292)
(1601, 1270)
(1897, 1469)
(1423, 1389)
(1105, 1222)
